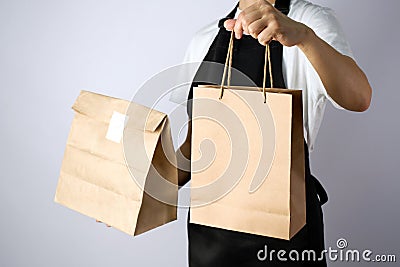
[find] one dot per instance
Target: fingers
(234, 25)
(265, 36)
(230, 24)
(249, 18)
(239, 27)
(256, 27)
(254, 20)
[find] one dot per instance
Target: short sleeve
(186, 71)
(194, 55)
(327, 26)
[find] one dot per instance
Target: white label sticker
(116, 128)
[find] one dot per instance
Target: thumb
(229, 24)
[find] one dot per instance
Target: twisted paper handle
(228, 68)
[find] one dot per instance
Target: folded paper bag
(119, 164)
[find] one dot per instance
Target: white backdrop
(52, 49)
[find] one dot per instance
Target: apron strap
(322, 194)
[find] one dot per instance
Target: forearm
(343, 80)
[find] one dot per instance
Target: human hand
(265, 23)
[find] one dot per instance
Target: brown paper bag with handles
(248, 158)
(115, 151)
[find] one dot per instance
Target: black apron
(214, 247)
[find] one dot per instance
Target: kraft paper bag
(248, 160)
(119, 165)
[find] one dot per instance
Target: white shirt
(297, 70)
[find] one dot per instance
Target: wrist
(307, 40)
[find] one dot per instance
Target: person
(308, 51)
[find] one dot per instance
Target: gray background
(50, 50)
